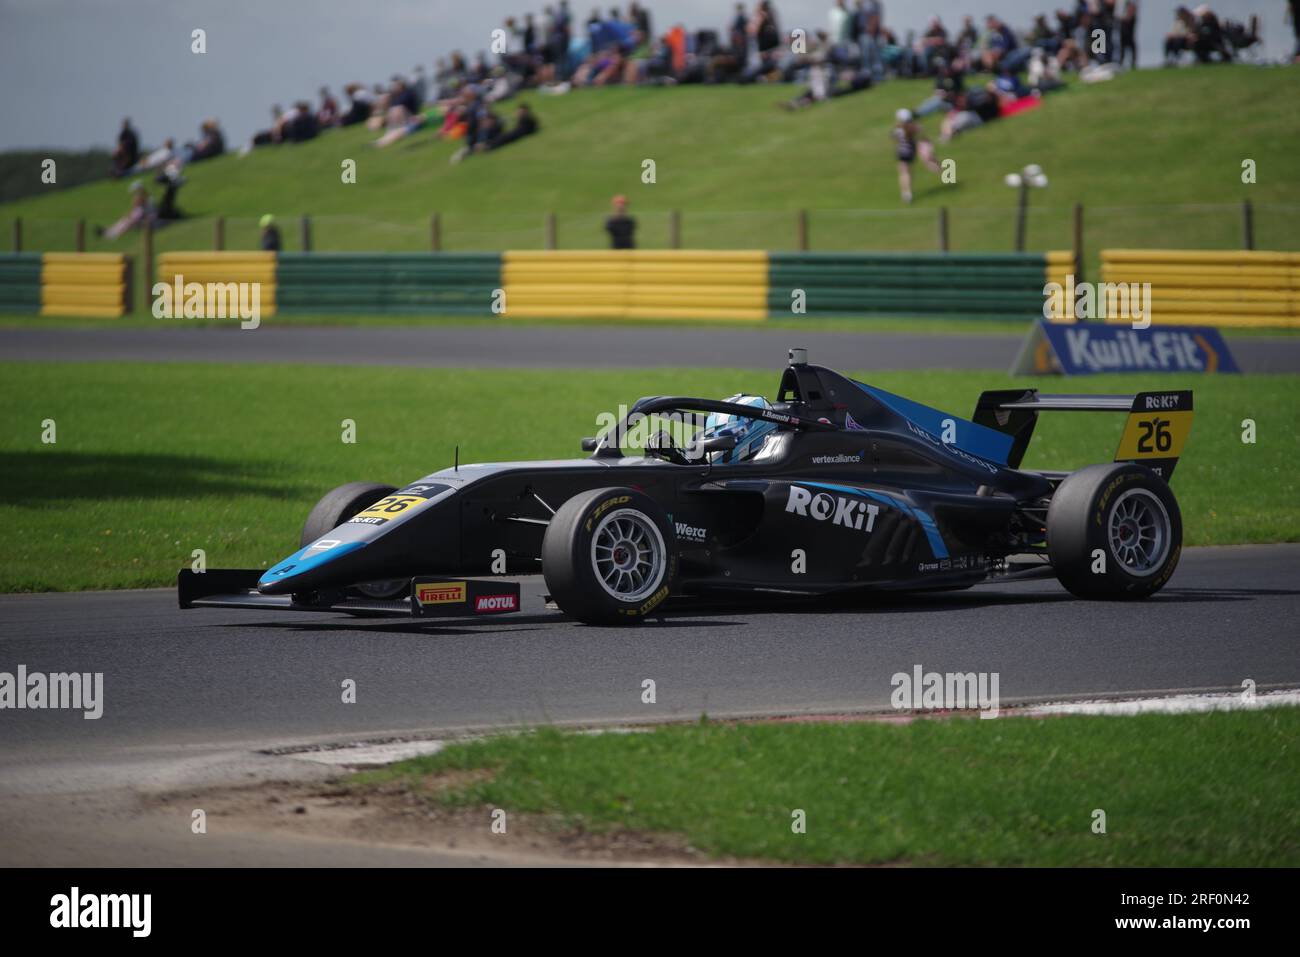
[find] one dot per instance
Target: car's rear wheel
(337, 507)
(609, 556)
(1114, 532)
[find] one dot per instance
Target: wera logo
(103, 910)
(838, 510)
(209, 300)
(931, 690)
(76, 691)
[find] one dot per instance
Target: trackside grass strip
(153, 461)
(1177, 790)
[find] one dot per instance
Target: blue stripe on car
(971, 437)
(296, 564)
(928, 526)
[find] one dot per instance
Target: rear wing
(1154, 435)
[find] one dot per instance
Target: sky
(72, 69)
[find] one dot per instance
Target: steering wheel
(661, 445)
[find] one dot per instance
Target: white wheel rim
(1138, 532)
(628, 555)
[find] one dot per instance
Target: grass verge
(155, 460)
(1177, 790)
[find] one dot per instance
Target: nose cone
(305, 567)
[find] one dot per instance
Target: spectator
(140, 212)
(172, 181)
(525, 125)
(1181, 37)
(909, 141)
(209, 144)
(948, 86)
(871, 36)
(270, 238)
(1209, 40)
(620, 226)
(328, 114)
(359, 105)
(1128, 34)
(127, 152)
(1293, 11)
(159, 157)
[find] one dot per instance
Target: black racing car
(837, 485)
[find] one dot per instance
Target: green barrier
(452, 283)
(1003, 285)
(20, 282)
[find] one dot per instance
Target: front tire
(609, 556)
(335, 508)
(1114, 532)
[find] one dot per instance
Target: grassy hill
(1155, 156)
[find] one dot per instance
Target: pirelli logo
(440, 593)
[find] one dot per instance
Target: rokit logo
(488, 603)
(851, 513)
(691, 533)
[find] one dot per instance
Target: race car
(836, 485)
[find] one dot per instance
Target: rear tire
(1128, 513)
(609, 556)
(336, 508)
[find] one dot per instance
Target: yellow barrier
(223, 267)
(636, 284)
(1211, 287)
(96, 285)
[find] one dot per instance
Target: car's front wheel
(609, 556)
(335, 508)
(1114, 532)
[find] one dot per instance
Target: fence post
(1247, 224)
(435, 233)
(18, 234)
(674, 229)
(146, 257)
(219, 234)
(801, 231)
(128, 281)
(1078, 242)
(549, 232)
(81, 235)
(943, 229)
(306, 234)
(1022, 215)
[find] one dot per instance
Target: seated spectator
(127, 152)
(328, 114)
(972, 109)
(948, 85)
(1209, 40)
(933, 48)
(209, 144)
(140, 212)
(620, 226)
(302, 126)
(359, 105)
(1044, 75)
(159, 157)
(1181, 37)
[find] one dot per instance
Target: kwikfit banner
(1086, 348)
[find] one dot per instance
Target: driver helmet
(751, 434)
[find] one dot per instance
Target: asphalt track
(207, 676)
(516, 346)
(206, 699)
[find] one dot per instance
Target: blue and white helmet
(750, 434)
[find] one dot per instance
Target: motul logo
(496, 603)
